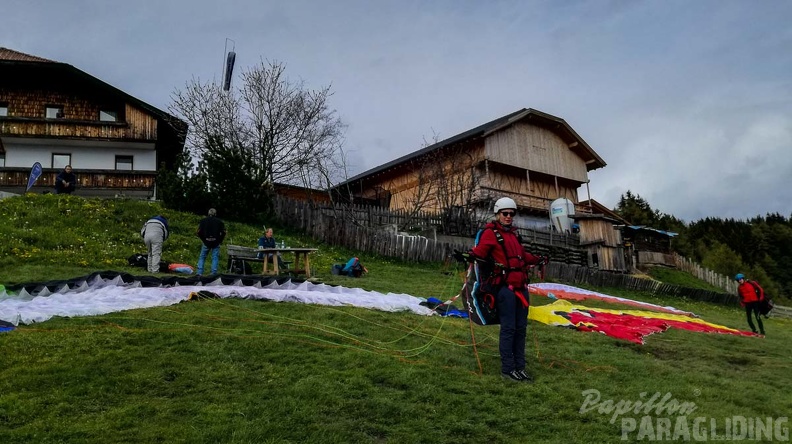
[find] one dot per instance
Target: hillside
(59, 237)
(236, 370)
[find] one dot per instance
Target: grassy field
(244, 371)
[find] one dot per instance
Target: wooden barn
(601, 236)
(528, 155)
(57, 115)
(648, 246)
(301, 193)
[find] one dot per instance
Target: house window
(60, 161)
(3, 109)
(2, 160)
(54, 112)
(124, 163)
(106, 115)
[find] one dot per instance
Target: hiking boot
(526, 377)
(512, 376)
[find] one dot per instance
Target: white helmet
(505, 203)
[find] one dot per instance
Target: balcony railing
(39, 127)
(88, 182)
(528, 201)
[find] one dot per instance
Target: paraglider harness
(490, 276)
(766, 304)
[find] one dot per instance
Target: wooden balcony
(76, 129)
(89, 183)
(525, 201)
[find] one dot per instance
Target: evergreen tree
(760, 247)
(635, 209)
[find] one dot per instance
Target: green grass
(243, 371)
(681, 278)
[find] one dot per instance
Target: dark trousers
(753, 307)
(513, 324)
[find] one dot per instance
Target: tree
(269, 130)
(183, 189)
(445, 182)
(635, 209)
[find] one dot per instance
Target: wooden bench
(239, 255)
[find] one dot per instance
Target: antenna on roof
(230, 58)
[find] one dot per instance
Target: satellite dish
(561, 212)
(229, 70)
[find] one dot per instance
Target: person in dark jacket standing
(499, 243)
(212, 232)
(751, 297)
(155, 231)
(66, 181)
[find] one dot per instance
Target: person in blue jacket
(268, 241)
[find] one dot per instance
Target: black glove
(462, 258)
(544, 260)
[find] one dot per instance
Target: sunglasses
(508, 213)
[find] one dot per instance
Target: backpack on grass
(353, 268)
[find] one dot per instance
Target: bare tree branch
(287, 131)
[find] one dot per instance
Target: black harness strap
(502, 242)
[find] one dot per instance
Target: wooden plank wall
(142, 125)
(537, 149)
(32, 104)
(655, 258)
(81, 117)
(608, 258)
(599, 230)
(516, 181)
(405, 186)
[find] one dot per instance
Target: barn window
(54, 112)
(106, 115)
(123, 163)
(60, 160)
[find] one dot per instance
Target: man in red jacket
(751, 297)
(499, 242)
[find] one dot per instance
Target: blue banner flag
(35, 172)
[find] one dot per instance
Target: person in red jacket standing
(751, 297)
(499, 243)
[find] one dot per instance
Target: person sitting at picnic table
(268, 241)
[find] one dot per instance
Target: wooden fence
(336, 227)
(362, 228)
(727, 283)
(370, 229)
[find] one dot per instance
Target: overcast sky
(689, 102)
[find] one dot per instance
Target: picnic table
(302, 259)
